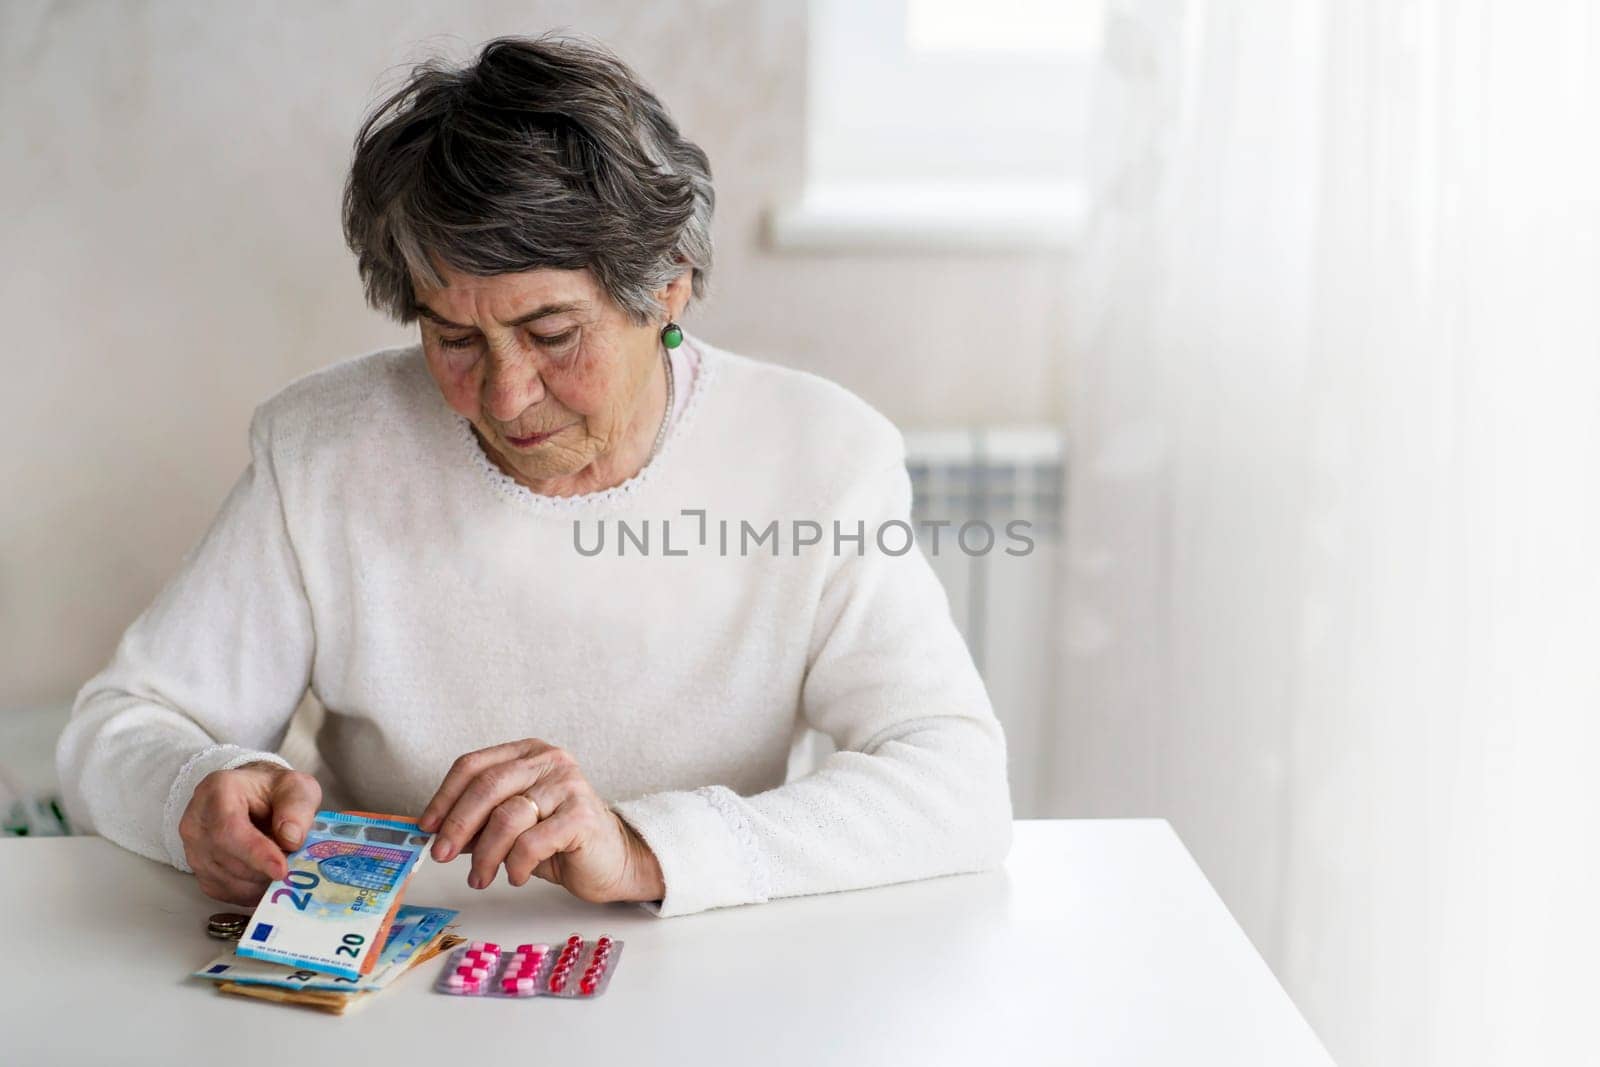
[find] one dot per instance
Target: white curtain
(1333, 594)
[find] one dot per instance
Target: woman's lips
(535, 439)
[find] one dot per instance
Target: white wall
(173, 255)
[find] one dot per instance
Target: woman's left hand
(526, 804)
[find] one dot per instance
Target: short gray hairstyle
(542, 152)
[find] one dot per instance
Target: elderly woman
(414, 540)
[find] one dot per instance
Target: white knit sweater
(435, 606)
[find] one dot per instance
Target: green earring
(671, 335)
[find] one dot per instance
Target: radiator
(1005, 600)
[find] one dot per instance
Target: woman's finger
(223, 825)
(506, 823)
(239, 870)
(216, 882)
(294, 800)
(561, 832)
(467, 817)
(461, 774)
(240, 838)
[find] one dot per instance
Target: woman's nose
(511, 386)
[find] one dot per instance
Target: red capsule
(587, 986)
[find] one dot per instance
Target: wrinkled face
(548, 369)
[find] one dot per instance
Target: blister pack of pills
(578, 968)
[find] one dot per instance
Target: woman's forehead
(505, 297)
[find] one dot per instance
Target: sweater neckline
(622, 493)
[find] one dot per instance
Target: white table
(1101, 943)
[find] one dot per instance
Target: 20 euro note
(414, 927)
(332, 911)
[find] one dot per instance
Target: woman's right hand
(240, 823)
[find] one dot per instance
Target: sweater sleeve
(205, 679)
(918, 785)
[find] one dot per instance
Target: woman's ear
(675, 297)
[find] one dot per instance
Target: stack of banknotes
(334, 932)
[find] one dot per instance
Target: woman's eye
(557, 341)
(457, 342)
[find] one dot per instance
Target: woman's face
(563, 389)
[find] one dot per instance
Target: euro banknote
(414, 927)
(337, 1003)
(331, 913)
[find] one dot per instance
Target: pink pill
(472, 972)
(484, 946)
(531, 948)
(455, 981)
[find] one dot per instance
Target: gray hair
(543, 152)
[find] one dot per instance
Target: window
(943, 124)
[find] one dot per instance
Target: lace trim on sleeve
(726, 804)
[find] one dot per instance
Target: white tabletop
(1100, 943)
